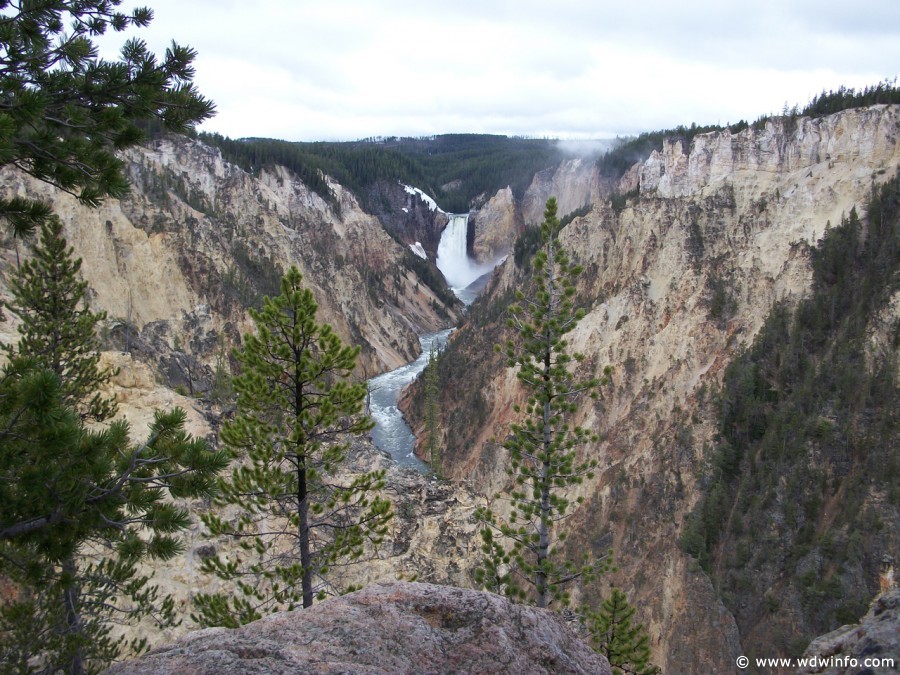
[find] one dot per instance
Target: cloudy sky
(349, 69)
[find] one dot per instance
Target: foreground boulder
(385, 628)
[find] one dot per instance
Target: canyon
(677, 281)
(683, 256)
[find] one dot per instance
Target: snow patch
(425, 198)
(419, 250)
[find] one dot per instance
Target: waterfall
(452, 259)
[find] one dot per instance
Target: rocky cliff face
(575, 183)
(199, 240)
(496, 226)
(406, 215)
(386, 628)
(675, 284)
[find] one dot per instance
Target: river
(391, 433)
(467, 279)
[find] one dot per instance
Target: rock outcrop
(575, 183)
(496, 225)
(876, 636)
(406, 215)
(385, 628)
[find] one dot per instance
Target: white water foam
(452, 258)
(391, 433)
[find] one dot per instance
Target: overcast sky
(349, 69)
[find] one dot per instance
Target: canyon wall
(177, 263)
(496, 226)
(198, 240)
(576, 183)
(676, 282)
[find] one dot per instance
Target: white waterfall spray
(452, 259)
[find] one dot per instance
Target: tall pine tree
(299, 514)
(80, 509)
(58, 329)
(525, 562)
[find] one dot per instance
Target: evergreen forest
(807, 429)
(458, 170)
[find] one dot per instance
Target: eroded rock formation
(876, 636)
(496, 224)
(575, 183)
(199, 240)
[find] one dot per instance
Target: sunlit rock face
(496, 226)
(386, 628)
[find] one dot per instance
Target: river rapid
(391, 433)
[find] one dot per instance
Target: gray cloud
(349, 69)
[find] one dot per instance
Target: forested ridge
(628, 151)
(458, 170)
(455, 169)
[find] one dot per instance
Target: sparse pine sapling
(523, 556)
(625, 645)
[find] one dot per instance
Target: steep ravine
(675, 284)
(177, 263)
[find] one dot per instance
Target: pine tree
(432, 409)
(526, 563)
(80, 510)
(58, 329)
(299, 514)
(612, 634)
(66, 112)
